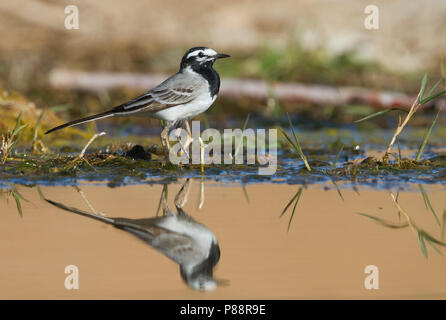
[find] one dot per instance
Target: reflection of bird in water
(190, 244)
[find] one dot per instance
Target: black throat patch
(210, 75)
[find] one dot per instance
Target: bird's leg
(184, 148)
(163, 203)
(201, 202)
(182, 195)
(165, 139)
(189, 134)
(189, 139)
(202, 145)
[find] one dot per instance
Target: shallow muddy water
(323, 254)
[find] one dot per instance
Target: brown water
(323, 255)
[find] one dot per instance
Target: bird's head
(201, 276)
(201, 57)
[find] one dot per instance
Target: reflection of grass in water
(443, 226)
(423, 236)
(427, 203)
(337, 189)
(13, 192)
(294, 200)
(164, 195)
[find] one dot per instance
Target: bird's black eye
(201, 54)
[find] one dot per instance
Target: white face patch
(207, 53)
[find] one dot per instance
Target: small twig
(96, 135)
(88, 202)
(414, 108)
(400, 210)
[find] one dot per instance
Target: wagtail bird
(178, 236)
(181, 97)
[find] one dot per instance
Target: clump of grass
(420, 100)
(10, 139)
(295, 144)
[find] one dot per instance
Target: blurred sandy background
(410, 34)
(150, 36)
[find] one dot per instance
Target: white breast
(197, 231)
(186, 111)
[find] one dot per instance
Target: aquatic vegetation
(295, 143)
(10, 139)
(417, 104)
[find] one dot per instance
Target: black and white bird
(178, 236)
(181, 97)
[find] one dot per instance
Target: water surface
(321, 253)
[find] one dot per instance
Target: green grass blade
(40, 193)
(17, 201)
(435, 86)
(19, 195)
(432, 97)
(428, 237)
(376, 114)
(383, 222)
(426, 137)
(423, 86)
(240, 142)
(287, 137)
(422, 244)
(427, 203)
(163, 194)
(399, 148)
(289, 203)
(294, 209)
(17, 123)
(433, 246)
(36, 127)
(337, 157)
(337, 189)
(16, 140)
(245, 193)
(18, 129)
(297, 145)
(443, 225)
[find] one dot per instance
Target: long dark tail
(80, 212)
(84, 120)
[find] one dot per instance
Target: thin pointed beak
(221, 56)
